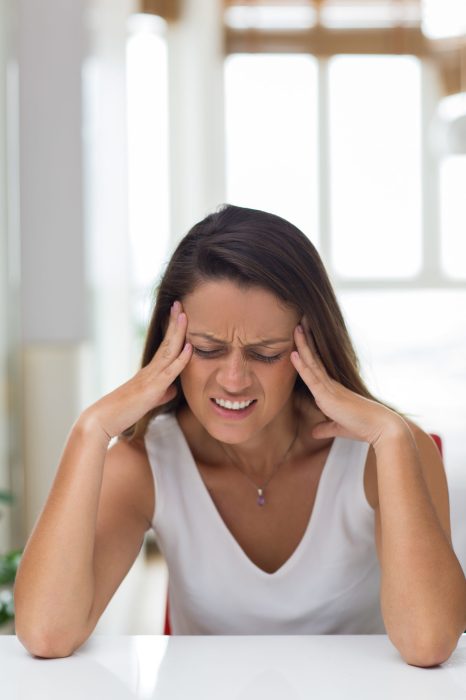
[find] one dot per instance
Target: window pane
(453, 215)
(443, 18)
(275, 17)
(411, 347)
(419, 365)
(370, 14)
(146, 64)
(375, 165)
(271, 135)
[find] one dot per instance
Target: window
(453, 216)
(271, 136)
(375, 166)
(147, 159)
(347, 134)
(339, 146)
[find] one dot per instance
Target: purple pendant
(260, 498)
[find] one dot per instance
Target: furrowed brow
(260, 343)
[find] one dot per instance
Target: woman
(285, 497)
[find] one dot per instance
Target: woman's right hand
(152, 386)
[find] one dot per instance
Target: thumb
(169, 394)
(326, 429)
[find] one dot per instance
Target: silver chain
(260, 490)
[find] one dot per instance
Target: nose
(234, 374)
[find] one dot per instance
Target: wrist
(396, 432)
(89, 426)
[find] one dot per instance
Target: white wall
(72, 190)
(197, 145)
(4, 472)
(75, 290)
(54, 315)
(11, 534)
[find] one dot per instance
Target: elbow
(47, 639)
(427, 652)
(47, 643)
(45, 646)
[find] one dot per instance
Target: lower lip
(231, 413)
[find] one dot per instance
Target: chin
(232, 434)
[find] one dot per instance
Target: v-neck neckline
(203, 490)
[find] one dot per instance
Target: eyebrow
(262, 342)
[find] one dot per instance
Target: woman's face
(240, 378)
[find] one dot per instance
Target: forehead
(221, 305)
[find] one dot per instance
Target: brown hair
(255, 248)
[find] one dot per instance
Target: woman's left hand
(348, 414)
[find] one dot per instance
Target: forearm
(423, 589)
(54, 585)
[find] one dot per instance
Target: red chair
(438, 441)
(167, 629)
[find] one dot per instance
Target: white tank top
(329, 585)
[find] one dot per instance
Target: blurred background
(123, 122)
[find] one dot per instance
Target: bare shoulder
(429, 453)
(424, 442)
(127, 472)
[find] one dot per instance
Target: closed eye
(208, 354)
(266, 358)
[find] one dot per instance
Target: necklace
(260, 490)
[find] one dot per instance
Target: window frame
(431, 274)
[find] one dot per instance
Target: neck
(260, 456)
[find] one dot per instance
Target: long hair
(255, 249)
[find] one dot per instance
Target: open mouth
(237, 407)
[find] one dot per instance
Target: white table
(228, 668)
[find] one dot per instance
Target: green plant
(8, 567)
(6, 497)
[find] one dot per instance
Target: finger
(174, 338)
(177, 365)
(173, 370)
(169, 331)
(175, 311)
(169, 394)
(310, 341)
(161, 379)
(326, 429)
(322, 388)
(307, 371)
(308, 354)
(157, 379)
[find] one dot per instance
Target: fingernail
(181, 318)
(300, 329)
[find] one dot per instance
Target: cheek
(289, 376)
(280, 380)
(194, 374)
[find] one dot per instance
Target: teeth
(233, 405)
